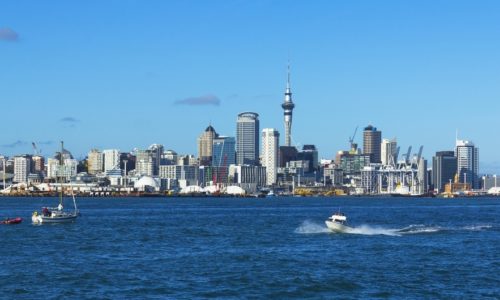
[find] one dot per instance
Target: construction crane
(354, 146)
(35, 149)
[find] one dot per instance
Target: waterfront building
(95, 162)
(288, 107)
(111, 159)
(467, 163)
(372, 141)
(178, 172)
(250, 178)
(333, 174)
(270, 160)
(247, 139)
(388, 152)
(292, 172)
(115, 177)
(352, 164)
(22, 168)
(444, 168)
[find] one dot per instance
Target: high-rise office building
(372, 141)
(388, 152)
(287, 154)
(205, 146)
(288, 107)
(223, 153)
(247, 139)
(444, 169)
(309, 154)
(22, 168)
(111, 159)
(467, 162)
(95, 162)
(270, 151)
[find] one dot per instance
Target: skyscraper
(467, 162)
(270, 150)
(372, 141)
(388, 152)
(247, 139)
(223, 153)
(288, 107)
(205, 145)
(444, 168)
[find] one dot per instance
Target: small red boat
(9, 221)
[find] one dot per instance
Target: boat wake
(372, 230)
(310, 227)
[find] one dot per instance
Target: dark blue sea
(191, 248)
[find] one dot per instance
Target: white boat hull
(66, 218)
(337, 227)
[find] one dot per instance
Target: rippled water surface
(254, 248)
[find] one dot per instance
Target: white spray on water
(310, 227)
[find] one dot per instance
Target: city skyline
(151, 76)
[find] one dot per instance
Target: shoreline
(160, 195)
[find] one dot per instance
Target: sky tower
(288, 110)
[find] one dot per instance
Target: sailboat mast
(61, 167)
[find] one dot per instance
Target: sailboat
(57, 214)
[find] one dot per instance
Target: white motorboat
(337, 223)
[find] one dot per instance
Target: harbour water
(187, 248)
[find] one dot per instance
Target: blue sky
(125, 74)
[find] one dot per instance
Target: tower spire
(288, 77)
(288, 109)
